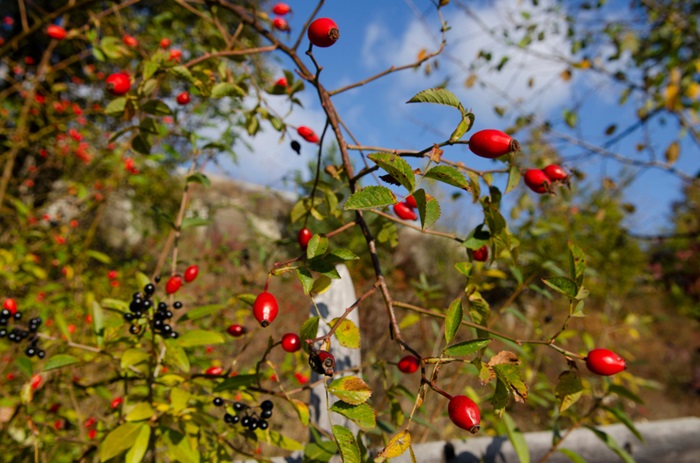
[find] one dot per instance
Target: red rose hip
(173, 284)
(291, 342)
(555, 173)
(411, 202)
(404, 212)
(281, 9)
(323, 32)
(280, 24)
(481, 254)
(491, 143)
(191, 273)
(604, 362)
(183, 98)
(408, 364)
(464, 412)
(537, 180)
(11, 305)
(118, 84)
(265, 308)
(303, 237)
(56, 32)
(307, 134)
(236, 330)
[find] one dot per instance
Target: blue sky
(378, 34)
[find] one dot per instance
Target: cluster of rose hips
(541, 180)
(250, 418)
(405, 209)
(279, 23)
(142, 303)
(18, 334)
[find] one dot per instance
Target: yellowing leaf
(397, 445)
(672, 152)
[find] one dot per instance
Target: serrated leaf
(141, 411)
(517, 439)
(149, 68)
(453, 319)
(362, 414)
(577, 260)
(349, 451)
(141, 144)
(157, 108)
(350, 389)
(369, 198)
(509, 374)
(437, 96)
(449, 175)
(309, 330)
(306, 279)
(465, 348)
(428, 208)
(116, 107)
(568, 390)
(397, 167)
(119, 440)
(563, 285)
(60, 361)
(223, 89)
(199, 338)
(236, 382)
(463, 127)
(318, 244)
(183, 73)
(397, 445)
(344, 254)
(348, 334)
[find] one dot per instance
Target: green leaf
(180, 447)
(509, 374)
(60, 361)
(132, 357)
(318, 244)
(141, 411)
(191, 222)
(200, 178)
(514, 176)
(157, 108)
(320, 451)
(571, 118)
(119, 440)
(278, 440)
(138, 450)
(428, 208)
(361, 414)
(223, 89)
(463, 127)
(465, 268)
(116, 107)
(449, 175)
(350, 389)
(578, 263)
(309, 330)
(344, 254)
(98, 322)
(397, 167)
(149, 125)
(516, 438)
(465, 348)
(573, 456)
(349, 451)
(236, 382)
(612, 444)
(149, 68)
(437, 96)
(141, 144)
(453, 319)
(202, 311)
(117, 304)
(623, 418)
(370, 197)
(563, 285)
(302, 410)
(569, 389)
(177, 357)
(183, 73)
(193, 338)
(179, 398)
(624, 392)
(348, 334)
(306, 279)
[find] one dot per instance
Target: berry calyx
(303, 237)
(491, 143)
(236, 330)
(555, 173)
(323, 32)
(409, 364)
(537, 180)
(183, 98)
(191, 273)
(604, 362)
(307, 134)
(322, 362)
(280, 24)
(464, 412)
(291, 342)
(481, 254)
(281, 9)
(173, 284)
(265, 308)
(118, 83)
(403, 211)
(56, 32)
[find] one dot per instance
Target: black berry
(218, 401)
(149, 289)
(267, 405)
(262, 424)
(177, 305)
(238, 406)
(228, 418)
(266, 414)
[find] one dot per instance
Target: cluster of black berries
(250, 418)
(19, 334)
(141, 304)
